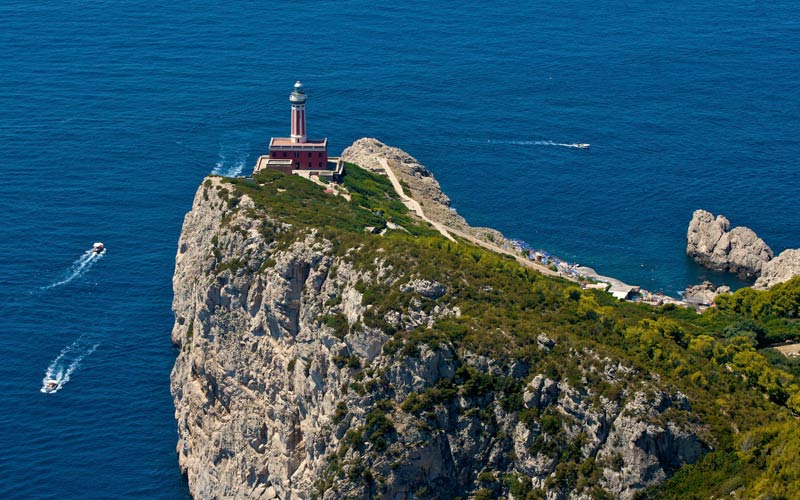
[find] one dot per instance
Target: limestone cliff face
(286, 387)
(712, 243)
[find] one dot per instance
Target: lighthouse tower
(298, 100)
(297, 152)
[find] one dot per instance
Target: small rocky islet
(712, 243)
(318, 359)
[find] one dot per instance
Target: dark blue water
(112, 112)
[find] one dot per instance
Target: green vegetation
(351, 361)
(338, 323)
(762, 464)
(781, 301)
(744, 396)
(297, 201)
(422, 403)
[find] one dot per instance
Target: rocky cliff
(320, 360)
(712, 243)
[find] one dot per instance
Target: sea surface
(111, 114)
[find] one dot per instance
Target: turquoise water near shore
(111, 113)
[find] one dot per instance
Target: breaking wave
(227, 166)
(65, 364)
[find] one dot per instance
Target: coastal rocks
(711, 243)
(739, 250)
(704, 293)
(782, 268)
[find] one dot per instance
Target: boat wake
(578, 145)
(78, 268)
(65, 364)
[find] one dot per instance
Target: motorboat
(582, 146)
(50, 385)
(98, 247)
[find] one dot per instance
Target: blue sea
(111, 113)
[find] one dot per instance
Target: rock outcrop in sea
(712, 243)
(309, 366)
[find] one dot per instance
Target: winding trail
(413, 204)
(415, 207)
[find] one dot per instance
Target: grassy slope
(744, 396)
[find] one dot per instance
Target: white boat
(98, 247)
(50, 385)
(581, 146)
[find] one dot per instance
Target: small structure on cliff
(297, 154)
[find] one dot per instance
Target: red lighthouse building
(297, 153)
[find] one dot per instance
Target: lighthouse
(298, 100)
(297, 154)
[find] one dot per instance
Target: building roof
(264, 161)
(287, 141)
(621, 290)
(298, 95)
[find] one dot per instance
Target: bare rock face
(288, 385)
(782, 268)
(704, 293)
(426, 288)
(710, 243)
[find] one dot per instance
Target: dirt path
(411, 203)
(414, 206)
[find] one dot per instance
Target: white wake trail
(65, 364)
(78, 268)
(541, 143)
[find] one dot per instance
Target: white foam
(227, 168)
(65, 364)
(219, 165)
(78, 268)
(539, 143)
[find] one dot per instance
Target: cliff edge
(338, 347)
